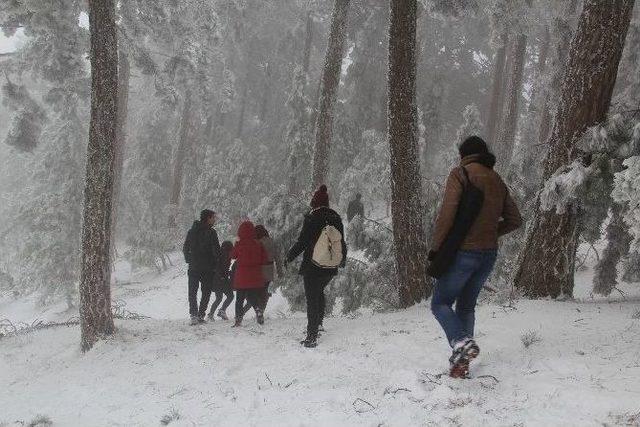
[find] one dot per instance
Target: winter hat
(320, 198)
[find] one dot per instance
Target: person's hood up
(247, 231)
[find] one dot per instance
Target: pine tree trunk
(308, 39)
(540, 69)
(96, 320)
(406, 193)
(509, 127)
(497, 94)
(548, 260)
(243, 105)
(121, 139)
(330, 82)
(562, 35)
(184, 140)
(618, 242)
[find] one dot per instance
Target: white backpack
(327, 252)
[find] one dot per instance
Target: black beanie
(473, 145)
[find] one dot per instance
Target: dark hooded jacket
(201, 248)
(313, 224)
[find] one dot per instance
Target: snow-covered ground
(369, 370)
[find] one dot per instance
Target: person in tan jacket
(474, 261)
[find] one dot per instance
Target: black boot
(310, 341)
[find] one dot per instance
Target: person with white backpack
(324, 250)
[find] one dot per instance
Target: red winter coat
(250, 257)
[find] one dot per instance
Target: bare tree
(96, 320)
(329, 92)
(548, 260)
(406, 205)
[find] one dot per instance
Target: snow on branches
(627, 190)
(28, 119)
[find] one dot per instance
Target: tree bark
(562, 34)
(330, 82)
(406, 205)
(308, 39)
(540, 69)
(509, 127)
(547, 263)
(497, 94)
(96, 320)
(243, 106)
(618, 243)
(121, 139)
(184, 140)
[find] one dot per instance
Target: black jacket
(313, 224)
(201, 248)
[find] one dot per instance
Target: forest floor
(581, 367)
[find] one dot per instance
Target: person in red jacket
(248, 281)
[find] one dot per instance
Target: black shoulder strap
(466, 174)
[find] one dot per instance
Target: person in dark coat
(222, 283)
(355, 208)
(201, 251)
(316, 278)
(474, 261)
(248, 279)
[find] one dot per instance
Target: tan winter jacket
(499, 214)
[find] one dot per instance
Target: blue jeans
(462, 285)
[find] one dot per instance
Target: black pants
(227, 301)
(204, 281)
(263, 299)
(251, 295)
(314, 291)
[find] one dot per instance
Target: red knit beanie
(320, 198)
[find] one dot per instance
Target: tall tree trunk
(548, 260)
(243, 106)
(96, 320)
(330, 82)
(184, 140)
(509, 127)
(618, 242)
(562, 34)
(121, 139)
(406, 205)
(308, 39)
(540, 69)
(497, 94)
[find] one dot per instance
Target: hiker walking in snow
(201, 251)
(248, 280)
(322, 244)
(222, 283)
(476, 209)
(355, 208)
(269, 269)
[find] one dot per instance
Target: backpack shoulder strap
(464, 181)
